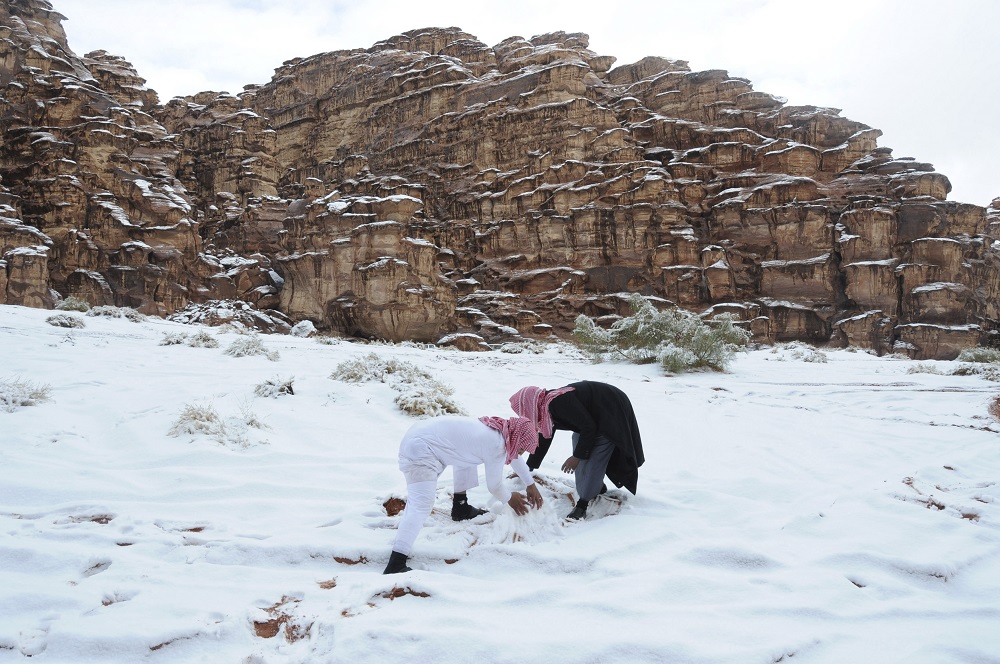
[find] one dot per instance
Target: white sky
(923, 72)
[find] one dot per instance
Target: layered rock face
(433, 184)
(90, 205)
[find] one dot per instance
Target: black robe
(593, 409)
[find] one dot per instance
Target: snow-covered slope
(830, 512)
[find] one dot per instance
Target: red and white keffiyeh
(518, 433)
(533, 403)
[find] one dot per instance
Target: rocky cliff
(432, 184)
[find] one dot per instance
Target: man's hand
(534, 496)
(569, 466)
(518, 503)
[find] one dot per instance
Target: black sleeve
(568, 412)
(535, 459)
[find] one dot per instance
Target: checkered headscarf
(533, 403)
(518, 433)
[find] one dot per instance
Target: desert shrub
(18, 392)
(426, 397)
(924, 368)
(678, 340)
(117, 312)
(326, 340)
(799, 351)
(233, 431)
(73, 303)
(526, 346)
(814, 355)
(416, 344)
(420, 394)
(867, 351)
(250, 345)
(248, 418)
(426, 401)
(275, 387)
(65, 320)
(675, 359)
(202, 339)
(985, 371)
(980, 355)
(199, 418)
(173, 339)
(373, 367)
(994, 408)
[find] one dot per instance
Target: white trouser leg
(465, 477)
(419, 503)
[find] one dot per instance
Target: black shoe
(397, 564)
(579, 512)
(464, 511)
(604, 489)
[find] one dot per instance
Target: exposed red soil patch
(394, 506)
(268, 629)
(399, 592)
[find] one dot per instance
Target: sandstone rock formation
(431, 185)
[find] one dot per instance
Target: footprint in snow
(33, 642)
(96, 567)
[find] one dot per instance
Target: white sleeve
(494, 480)
(521, 468)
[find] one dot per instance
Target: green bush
(678, 340)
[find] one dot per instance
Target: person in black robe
(606, 440)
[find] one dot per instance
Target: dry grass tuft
(17, 392)
(66, 320)
(994, 407)
(420, 394)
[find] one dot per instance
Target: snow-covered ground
(831, 512)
